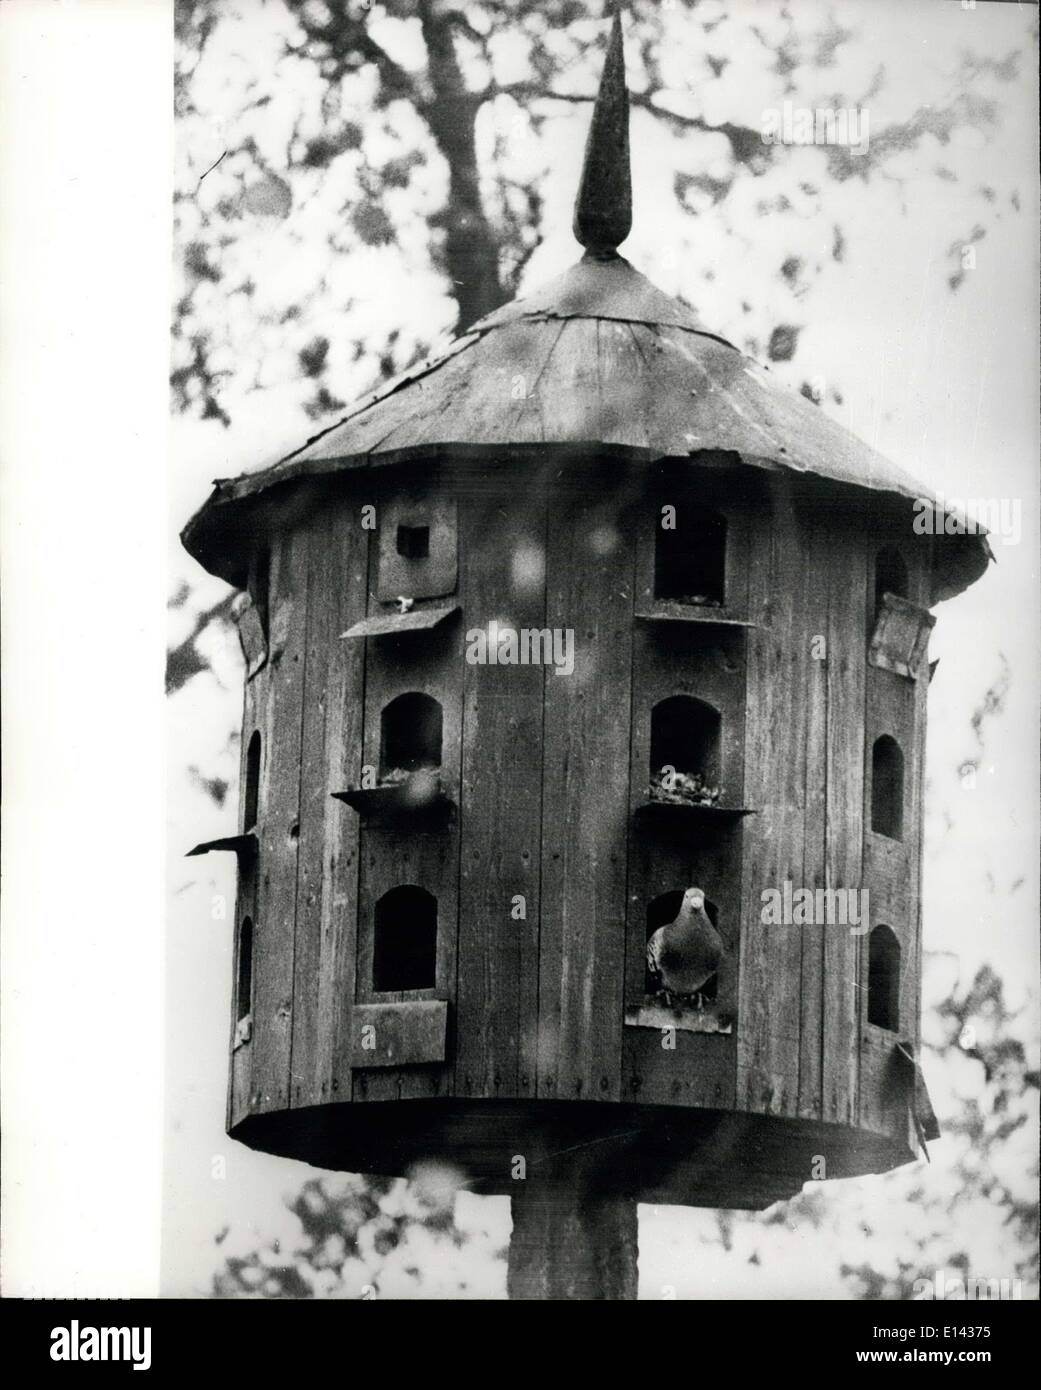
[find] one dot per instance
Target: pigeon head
(694, 898)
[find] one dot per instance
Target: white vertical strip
(85, 169)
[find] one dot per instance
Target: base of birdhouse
(647, 1153)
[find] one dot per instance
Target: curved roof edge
(616, 367)
(222, 533)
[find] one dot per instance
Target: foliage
(363, 1238)
(324, 145)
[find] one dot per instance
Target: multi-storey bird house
(583, 612)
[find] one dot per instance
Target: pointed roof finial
(604, 206)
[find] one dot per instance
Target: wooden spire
(604, 206)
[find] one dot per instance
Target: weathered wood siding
(546, 774)
(814, 697)
(846, 560)
(503, 578)
(779, 661)
(327, 875)
(274, 931)
(585, 805)
(254, 703)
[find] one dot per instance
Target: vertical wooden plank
(310, 850)
(792, 624)
(771, 975)
(344, 722)
(816, 591)
(280, 790)
(328, 833)
(585, 804)
(503, 568)
(921, 587)
(847, 567)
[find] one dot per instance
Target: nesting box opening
(251, 798)
(685, 750)
(690, 559)
(890, 576)
(414, 542)
(884, 979)
(418, 546)
(887, 788)
(404, 954)
(410, 735)
(660, 912)
(244, 981)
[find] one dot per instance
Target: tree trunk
(571, 1242)
(471, 248)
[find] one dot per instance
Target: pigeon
(685, 953)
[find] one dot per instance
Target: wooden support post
(571, 1242)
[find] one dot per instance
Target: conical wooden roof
(599, 359)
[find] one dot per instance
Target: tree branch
(744, 140)
(345, 37)
(185, 660)
(471, 252)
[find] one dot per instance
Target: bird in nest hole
(684, 955)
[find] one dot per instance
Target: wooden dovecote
(454, 865)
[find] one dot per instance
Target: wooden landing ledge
(421, 795)
(397, 624)
(245, 845)
(666, 612)
(659, 1016)
(681, 814)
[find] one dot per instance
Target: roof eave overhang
(240, 512)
